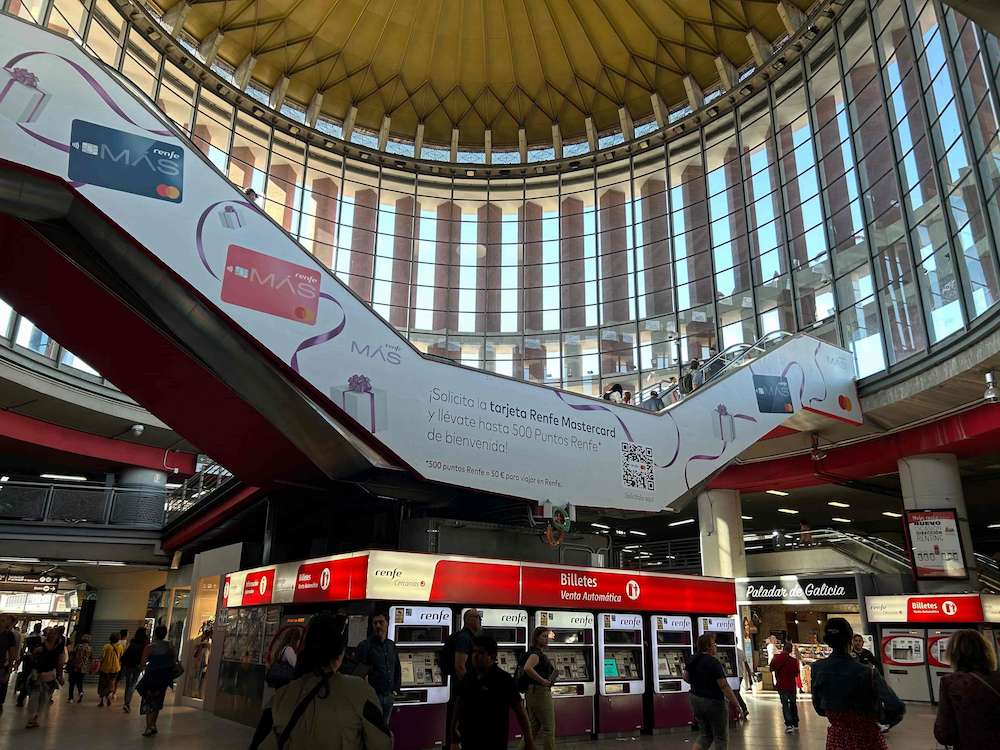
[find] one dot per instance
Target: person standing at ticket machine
(378, 653)
(709, 692)
(535, 677)
(455, 662)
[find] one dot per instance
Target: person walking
(863, 655)
(709, 692)
(654, 402)
(378, 653)
(159, 662)
(120, 647)
(8, 655)
(785, 669)
(323, 709)
(455, 660)
(486, 698)
(536, 676)
(47, 662)
(852, 696)
(31, 642)
(968, 716)
(107, 673)
(78, 665)
(132, 665)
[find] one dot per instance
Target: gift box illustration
(723, 424)
(230, 218)
(362, 402)
(21, 100)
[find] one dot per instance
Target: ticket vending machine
(937, 658)
(904, 657)
(672, 649)
(724, 630)
(621, 682)
(420, 714)
(571, 650)
(509, 628)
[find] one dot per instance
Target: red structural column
(324, 193)
(363, 242)
(571, 264)
(701, 287)
(402, 297)
(529, 235)
(488, 271)
(656, 248)
(283, 179)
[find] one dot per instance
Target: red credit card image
(270, 285)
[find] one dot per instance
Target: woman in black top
(538, 696)
(709, 692)
(47, 663)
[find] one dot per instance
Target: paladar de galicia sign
(796, 589)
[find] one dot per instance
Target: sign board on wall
(446, 423)
(796, 590)
(935, 544)
(917, 608)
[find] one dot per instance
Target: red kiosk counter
(261, 606)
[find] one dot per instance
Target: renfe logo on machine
(942, 608)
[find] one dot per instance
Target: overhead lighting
(789, 511)
(64, 477)
(841, 520)
(994, 526)
(600, 526)
(20, 559)
(4, 478)
(172, 485)
(619, 532)
(681, 523)
(892, 514)
(631, 547)
(638, 533)
(756, 546)
(113, 563)
(656, 563)
(838, 504)
(779, 493)
(747, 518)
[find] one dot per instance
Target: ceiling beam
(557, 145)
(791, 17)
(383, 133)
(312, 112)
(352, 115)
(278, 93)
(454, 145)
(173, 20)
(522, 145)
(209, 47)
(660, 111)
(695, 96)
(591, 133)
(726, 71)
(241, 78)
(488, 145)
(625, 121)
(760, 48)
(418, 141)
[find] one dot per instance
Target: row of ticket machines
(915, 659)
(614, 673)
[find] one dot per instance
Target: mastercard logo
(844, 402)
(168, 191)
(307, 316)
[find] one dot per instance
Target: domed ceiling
(485, 64)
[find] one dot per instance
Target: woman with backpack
(159, 661)
(535, 680)
(132, 665)
(79, 665)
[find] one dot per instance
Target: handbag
(279, 674)
(888, 707)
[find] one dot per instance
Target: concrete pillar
(695, 96)
(136, 477)
(625, 121)
(277, 97)
(721, 523)
(591, 133)
(348, 128)
(138, 497)
(760, 48)
(557, 141)
(932, 482)
(312, 113)
(209, 47)
(660, 111)
(418, 141)
(244, 70)
(522, 145)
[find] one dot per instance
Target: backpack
(280, 673)
(521, 678)
(687, 383)
(132, 657)
(78, 659)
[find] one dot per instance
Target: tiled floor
(86, 727)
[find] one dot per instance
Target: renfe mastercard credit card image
(773, 394)
(270, 285)
(123, 161)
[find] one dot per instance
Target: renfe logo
(440, 616)
(270, 285)
(386, 573)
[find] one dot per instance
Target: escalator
(126, 243)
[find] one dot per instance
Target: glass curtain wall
(854, 198)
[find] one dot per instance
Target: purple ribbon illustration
(722, 412)
(23, 75)
(321, 338)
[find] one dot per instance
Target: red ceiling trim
(55, 437)
(970, 433)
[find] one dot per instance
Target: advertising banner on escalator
(444, 422)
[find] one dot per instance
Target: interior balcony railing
(195, 489)
(57, 504)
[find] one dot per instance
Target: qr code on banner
(637, 466)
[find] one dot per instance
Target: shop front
(32, 598)
(794, 609)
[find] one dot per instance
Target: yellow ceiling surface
(485, 64)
